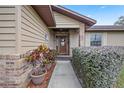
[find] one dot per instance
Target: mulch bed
(46, 80)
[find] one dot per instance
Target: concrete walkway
(64, 76)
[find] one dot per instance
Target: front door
(62, 44)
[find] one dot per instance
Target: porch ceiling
(64, 29)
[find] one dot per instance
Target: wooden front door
(62, 44)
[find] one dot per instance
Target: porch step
(63, 57)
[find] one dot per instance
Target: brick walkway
(64, 76)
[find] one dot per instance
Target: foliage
(50, 56)
(34, 57)
(40, 56)
(43, 48)
(98, 66)
(120, 80)
(36, 54)
(120, 21)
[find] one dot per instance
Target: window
(96, 40)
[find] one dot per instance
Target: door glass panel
(62, 41)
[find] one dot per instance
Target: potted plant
(38, 75)
(48, 59)
(47, 64)
(38, 72)
(41, 59)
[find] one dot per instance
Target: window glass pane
(92, 38)
(98, 37)
(96, 40)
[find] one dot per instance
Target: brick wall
(14, 71)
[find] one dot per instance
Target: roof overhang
(45, 12)
(88, 21)
(105, 28)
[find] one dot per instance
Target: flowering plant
(36, 54)
(49, 56)
(39, 57)
(43, 48)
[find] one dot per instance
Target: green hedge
(98, 67)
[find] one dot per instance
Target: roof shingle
(106, 28)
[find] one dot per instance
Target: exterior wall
(108, 38)
(63, 21)
(33, 29)
(115, 38)
(21, 29)
(51, 42)
(14, 71)
(88, 34)
(87, 38)
(7, 29)
(82, 34)
(74, 39)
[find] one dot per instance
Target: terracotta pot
(39, 78)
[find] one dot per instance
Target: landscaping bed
(45, 81)
(43, 62)
(98, 67)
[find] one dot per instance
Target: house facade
(106, 35)
(24, 28)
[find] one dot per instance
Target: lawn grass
(120, 81)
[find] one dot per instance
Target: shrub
(39, 57)
(51, 55)
(42, 54)
(98, 66)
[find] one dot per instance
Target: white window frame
(92, 34)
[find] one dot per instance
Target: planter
(39, 78)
